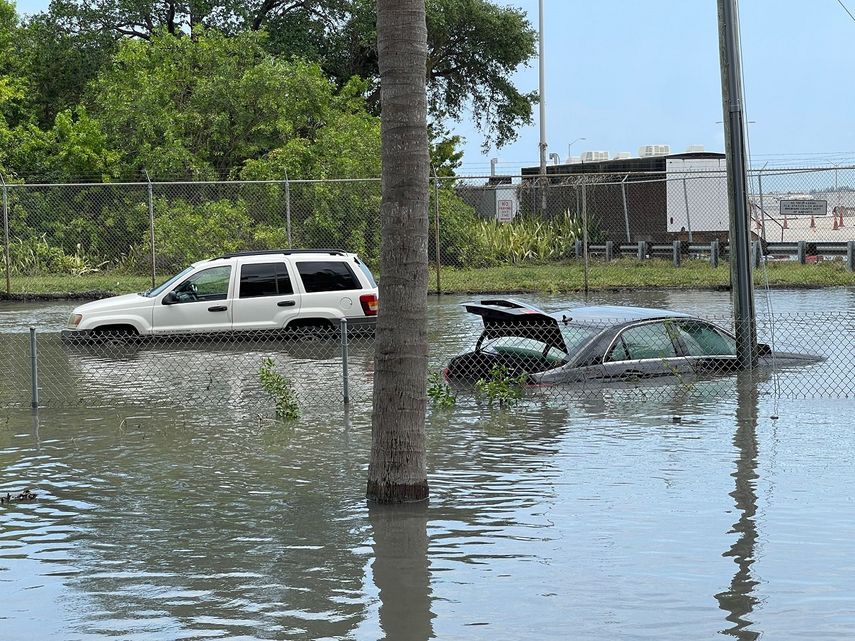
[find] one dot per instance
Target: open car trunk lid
(505, 317)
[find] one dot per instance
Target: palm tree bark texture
(397, 472)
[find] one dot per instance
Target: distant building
(656, 198)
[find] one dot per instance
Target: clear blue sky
(624, 73)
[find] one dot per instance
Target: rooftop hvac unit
(594, 156)
(648, 151)
(695, 149)
(622, 155)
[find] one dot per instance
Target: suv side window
(327, 276)
(264, 279)
(208, 284)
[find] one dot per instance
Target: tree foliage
(474, 47)
(214, 106)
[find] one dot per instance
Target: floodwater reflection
(739, 600)
(400, 570)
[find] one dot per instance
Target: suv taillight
(369, 304)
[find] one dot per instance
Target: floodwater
(679, 515)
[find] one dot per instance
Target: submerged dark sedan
(600, 343)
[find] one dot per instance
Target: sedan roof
(600, 314)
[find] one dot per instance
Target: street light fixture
(571, 144)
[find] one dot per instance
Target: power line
(840, 2)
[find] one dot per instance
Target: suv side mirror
(170, 299)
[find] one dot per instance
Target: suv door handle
(286, 303)
(218, 308)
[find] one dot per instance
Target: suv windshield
(151, 293)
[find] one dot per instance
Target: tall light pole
(569, 145)
(745, 322)
(542, 91)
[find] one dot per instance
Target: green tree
(59, 63)
(211, 106)
(474, 46)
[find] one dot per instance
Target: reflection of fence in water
(206, 372)
(221, 374)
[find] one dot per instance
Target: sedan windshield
(151, 293)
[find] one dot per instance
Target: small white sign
(804, 207)
(504, 210)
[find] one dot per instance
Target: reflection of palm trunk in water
(401, 571)
(739, 601)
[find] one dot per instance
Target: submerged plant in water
(280, 389)
(439, 392)
(502, 388)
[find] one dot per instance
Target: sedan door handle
(218, 308)
(286, 303)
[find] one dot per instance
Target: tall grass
(35, 256)
(525, 240)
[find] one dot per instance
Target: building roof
(620, 166)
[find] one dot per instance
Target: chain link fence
(538, 356)
(92, 239)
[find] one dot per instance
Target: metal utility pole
(745, 322)
(542, 91)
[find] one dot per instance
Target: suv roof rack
(263, 252)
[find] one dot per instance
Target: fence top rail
(145, 184)
(600, 178)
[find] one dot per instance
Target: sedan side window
(206, 285)
(703, 339)
(647, 341)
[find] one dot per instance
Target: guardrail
(803, 251)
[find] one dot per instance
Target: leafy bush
(280, 389)
(35, 256)
(185, 233)
(457, 243)
(502, 388)
(439, 392)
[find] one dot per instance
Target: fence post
(802, 252)
(436, 239)
(6, 243)
(688, 216)
(756, 252)
(288, 209)
(610, 249)
(585, 238)
(34, 368)
(151, 228)
(850, 255)
(677, 250)
(578, 248)
(714, 254)
(345, 383)
(642, 249)
(625, 208)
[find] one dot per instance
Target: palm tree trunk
(397, 471)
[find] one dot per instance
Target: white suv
(258, 290)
